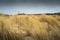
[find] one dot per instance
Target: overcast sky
(29, 6)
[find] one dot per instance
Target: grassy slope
(30, 27)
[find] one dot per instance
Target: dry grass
(30, 27)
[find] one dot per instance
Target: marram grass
(30, 27)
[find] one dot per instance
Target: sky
(29, 6)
